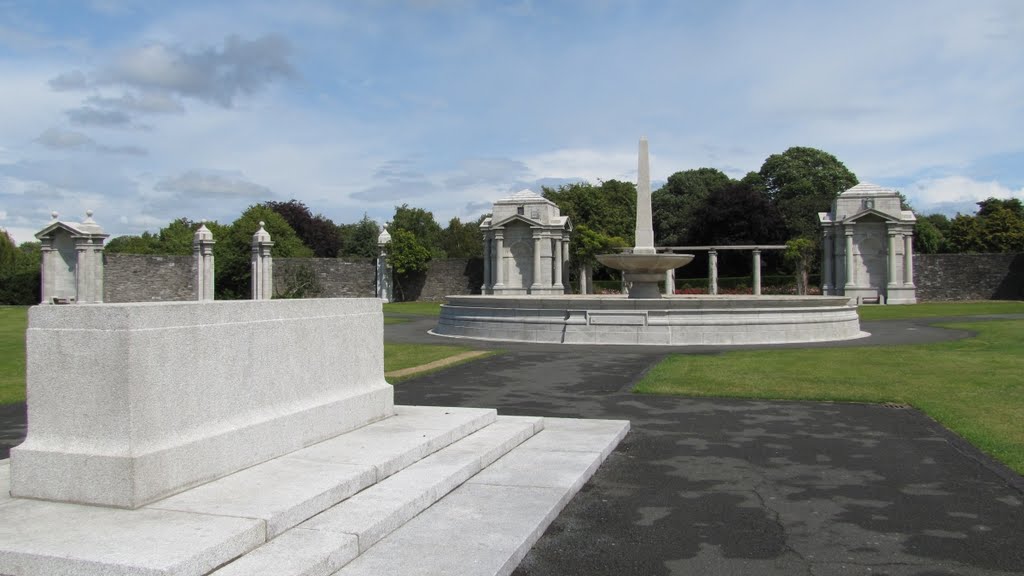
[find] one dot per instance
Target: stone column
(828, 253)
(893, 265)
(757, 272)
(83, 271)
(487, 266)
(849, 258)
(262, 265)
(202, 251)
(670, 282)
(537, 278)
(499, 254)
(908, 260)
(46, 271)
(97, 266)
(567, 286)
(712, 272)
(556, 263)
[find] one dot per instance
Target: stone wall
(148, 278)
(461, 276)
(331, 277)
(969, 276)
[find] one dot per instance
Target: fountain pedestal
(644, 271)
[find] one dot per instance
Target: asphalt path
(730, 487)
(736, 487)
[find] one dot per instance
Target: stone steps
(430, 490)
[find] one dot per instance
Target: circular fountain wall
(669, 321)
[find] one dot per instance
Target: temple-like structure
(526, 246)
(868, 246)
(72, 267)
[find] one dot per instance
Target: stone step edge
(316, 547)
(490, 547)
(309, 549)
(360, 476)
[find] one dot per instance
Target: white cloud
(952, 193)
(213, 75)
(60, 139)
(197, 184)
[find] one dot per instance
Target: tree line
(777, 204)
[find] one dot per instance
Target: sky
(145, 111)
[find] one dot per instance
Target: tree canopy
(675, 204)
(233, 250)
(738, 213)
(360, 238)
(462, 240)
(317, 232)
(802, 182)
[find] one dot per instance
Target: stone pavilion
(868, 247)
(526, 246)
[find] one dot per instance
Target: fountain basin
(645, 263)
(644, 271)
(671, 321)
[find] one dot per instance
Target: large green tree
(462, 240)
(802, 182)
(19, 271)
(675, 204)
(360, 238)
(316, 231)
(421, 224)
(233, 250)
(997, 227)
(738, 213)
(604, 217)
(608, 209)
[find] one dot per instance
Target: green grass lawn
(399, 356)
(974, 387)
(13, 320)
(939, 309)
(414, 308)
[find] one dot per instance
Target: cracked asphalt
(737, 487)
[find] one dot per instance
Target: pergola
(712, 251)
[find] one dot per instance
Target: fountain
(643, 268)
(644, 317)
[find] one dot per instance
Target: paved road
(739, 487)
(733, 487)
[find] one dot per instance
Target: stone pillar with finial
(202, 249)
(384, 279)
(262, 265)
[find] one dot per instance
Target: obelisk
(644, 233)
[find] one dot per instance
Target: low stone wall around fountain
(675, 321)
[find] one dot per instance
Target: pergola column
(757, 272)
(712, 272)
(893, 265)
(908, 260)
(849, 258)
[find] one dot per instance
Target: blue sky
(149, 111)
